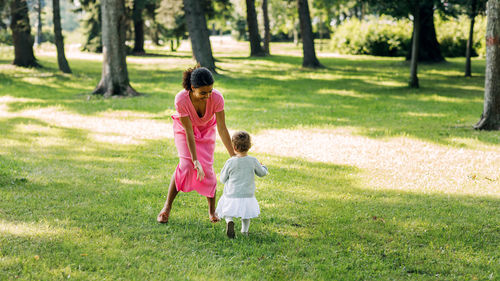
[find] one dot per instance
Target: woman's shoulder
(216, 95)
(181, 96)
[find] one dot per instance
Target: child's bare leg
(211, 209)
(165, 211)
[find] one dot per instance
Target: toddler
(238, 199)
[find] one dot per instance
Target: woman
(199, 109)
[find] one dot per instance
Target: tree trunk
(320, 32)
(39, 36)
(310, 59)
(2, 7)
(21, 35)
(429, 46)
(198, 32)
(267, 33)
(490, 119)
(114, 79)
(296, 26)
(468, 51)
(138, 29)
(153, 29)
(415, 46)
(59, 39)
(253, 30)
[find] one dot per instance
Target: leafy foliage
(452, 35)
(375, 36)
(386, 36)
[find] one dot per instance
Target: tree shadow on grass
(161, 55)
(317, 221)
(368, 93)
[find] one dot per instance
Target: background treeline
(346, 26)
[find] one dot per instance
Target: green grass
(73, 207)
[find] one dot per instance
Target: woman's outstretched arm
(188, 128)
(223, 132)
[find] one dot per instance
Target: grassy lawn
(83, 178)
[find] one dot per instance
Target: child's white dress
(238, 177)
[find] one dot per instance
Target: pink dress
(204, 136)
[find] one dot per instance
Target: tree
(138, 7)
(429, 50)
(472, 9)
(169, 22)
(21, 35)
(114, 79)
(267, 32)
(92, 25)
(198, 32)
(253, 30)
(309, 57)
(422, 13)
(39, 36)
(59, 39)
(490, 118)
(415, 48)
(2, 7)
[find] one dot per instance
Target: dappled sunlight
(388, 178)
(42, 81)
(133, 129)
(49, 141)
(10, 99)
(95, 158)
(130, 181)
(36, 129)
(345, 93)
(30, 229)
(129, 114)
(466, 142)
(115, 139)
(424, 114)
(399, 163)
(11, 143)
(387, 83)
(439, 98)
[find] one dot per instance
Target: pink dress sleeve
(181, 105)
(218, 101)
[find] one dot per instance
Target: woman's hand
(223, 132)
(200, 175)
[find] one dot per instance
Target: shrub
(5, 36)
(385, 36)
(381, 36)
(452, 35)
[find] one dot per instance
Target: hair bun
(200, 77)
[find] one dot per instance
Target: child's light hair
(241, 141)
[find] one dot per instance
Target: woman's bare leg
(211, 209)
(172, 193)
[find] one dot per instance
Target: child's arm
(260, 170)
(224, 173)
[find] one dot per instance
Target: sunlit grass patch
(368, 179)
(29, 229)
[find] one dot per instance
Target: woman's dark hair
(197, 77)
(241, 141)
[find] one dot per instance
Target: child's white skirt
(245, 208)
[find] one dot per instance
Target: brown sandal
(162, 217)
(214, 219)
